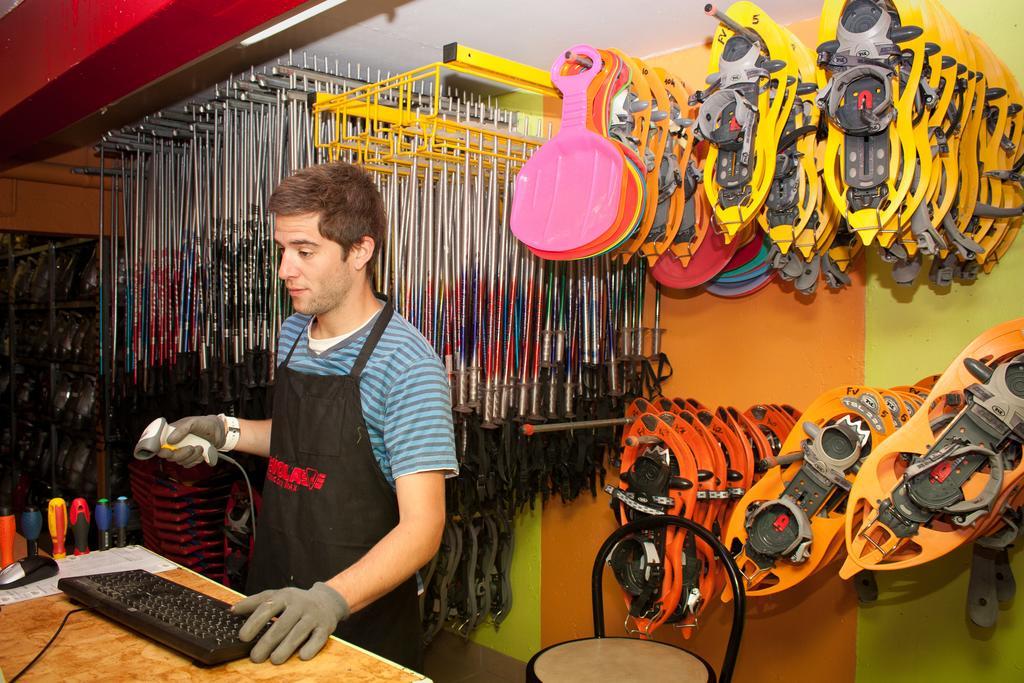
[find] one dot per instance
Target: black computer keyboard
(196, 625)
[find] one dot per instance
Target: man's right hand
(209, 427)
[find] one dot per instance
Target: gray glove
(303, 616)
(209, 427)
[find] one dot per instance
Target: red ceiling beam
(62, 60)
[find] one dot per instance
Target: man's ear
(361, 252)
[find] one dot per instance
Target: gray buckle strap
(863, 118)
(968, 271)
(650, 505)
(790, 266)
(781, 202)
(875, 114)
(982, 596)
(692, 567)
(1006, 585)
(941, 145)
(742, 68)
(670, 177)
(933, 484)
(807, 281)
(927, 93)
(435, 596)
(468, 611)
(929, 240)
(943, 271)
(1007, 534)
(906, 270)
(488, 570)
(502, 600)
(893, 253)
(708, 119)
(776, 258)
(866, 586)
(835, 278)
(965, 247)
(958, 455)
(997, 546)
(688, 223)
(998, 404)
(1006, 176)
(834, 450)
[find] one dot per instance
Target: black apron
(326, 502)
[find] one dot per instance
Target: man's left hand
(305, 618)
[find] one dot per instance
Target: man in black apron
(337, 547)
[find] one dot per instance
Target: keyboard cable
(52, 638)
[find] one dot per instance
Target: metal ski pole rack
(192, 323)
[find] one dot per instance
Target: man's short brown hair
(343, 196)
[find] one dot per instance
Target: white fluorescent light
(291, 21)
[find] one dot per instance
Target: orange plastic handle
(6, 540)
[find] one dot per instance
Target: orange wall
(45, 197)
(774, 346)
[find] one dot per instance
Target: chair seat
(619, 660)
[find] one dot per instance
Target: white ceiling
(404, 35)
(398, 35)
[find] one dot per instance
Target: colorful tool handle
(80, 525)
(31, 527)
(102, 517)
(6, 536)
(57, 516)
(121, 520)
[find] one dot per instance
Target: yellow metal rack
(382, 125)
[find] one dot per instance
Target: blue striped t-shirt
(404, 390)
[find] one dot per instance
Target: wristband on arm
(232, 431)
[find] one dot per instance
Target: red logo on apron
(291, 478)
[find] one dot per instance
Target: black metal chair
(596, 658)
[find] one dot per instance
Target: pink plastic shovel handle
(574, 87)
(567, 194)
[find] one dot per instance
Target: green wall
(519, 635)
(918, 631)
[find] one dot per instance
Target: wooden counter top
(92, 647)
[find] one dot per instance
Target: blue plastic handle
(121, 512)
(102, 515)
(31, 523)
